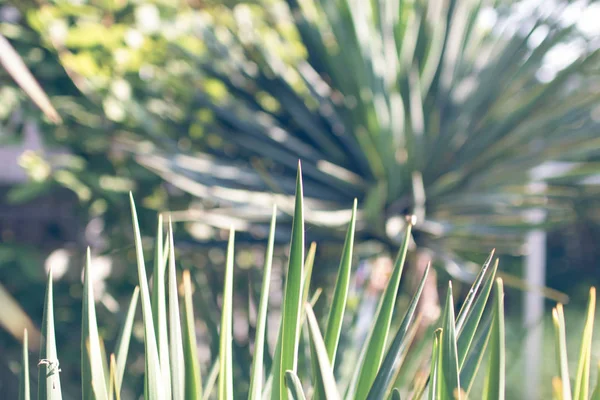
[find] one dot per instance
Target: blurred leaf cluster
(439, 109)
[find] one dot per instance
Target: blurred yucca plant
(447, 367)
(413, 107)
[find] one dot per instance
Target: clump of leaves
(457, 350)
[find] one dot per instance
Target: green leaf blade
(177, 361)
(48, 366)
(495, 385)
(319, 351)
(434, 383)
(256, 379)
(24, 388)
(193, 380)
(292, 298)
(125, 339)
(582, 380)
(92, 369)
(340, 294)
(375, 345)
(388, 366)
(159, 308)
(154, 389)
(472, 315)
(226, 335)
(450, 378)
(558, 319)
(294, 386)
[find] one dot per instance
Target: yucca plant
(411, 107)
(457, 351)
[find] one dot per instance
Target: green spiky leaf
(154, 389)
(94, 384)
(24, 388)
(292, 298)
(226, 335)
(256, 380)
(582, 380)
(193, 380)
(495, 383)
(177, 361)
(375, 344)
(48, 365)
(389, 365)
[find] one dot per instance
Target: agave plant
(411, 107)
(448, 365)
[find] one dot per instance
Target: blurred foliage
(418, 107)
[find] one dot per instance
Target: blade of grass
(48, 366)
(434, 383)
(466, 307)
(476, 354)
(409, 340)
(213, 375)
(193, 380)
(104, 358)
(256, 379)
(159, 307)
(582, 380)
(340, 294)
(495, 385)
(125, 339)
(319, 351)
(388, 366)
(558, 318)
(396, 394)
(308, 269)
(93, 380)
(596, 392)
(375, 344)
(154, 389)
(449, 376)
(473, 317)
(111, 379)
(114, 391)
(177, 361)
(24, 389)
(294, 386)
(225, 349)
(290, 319)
